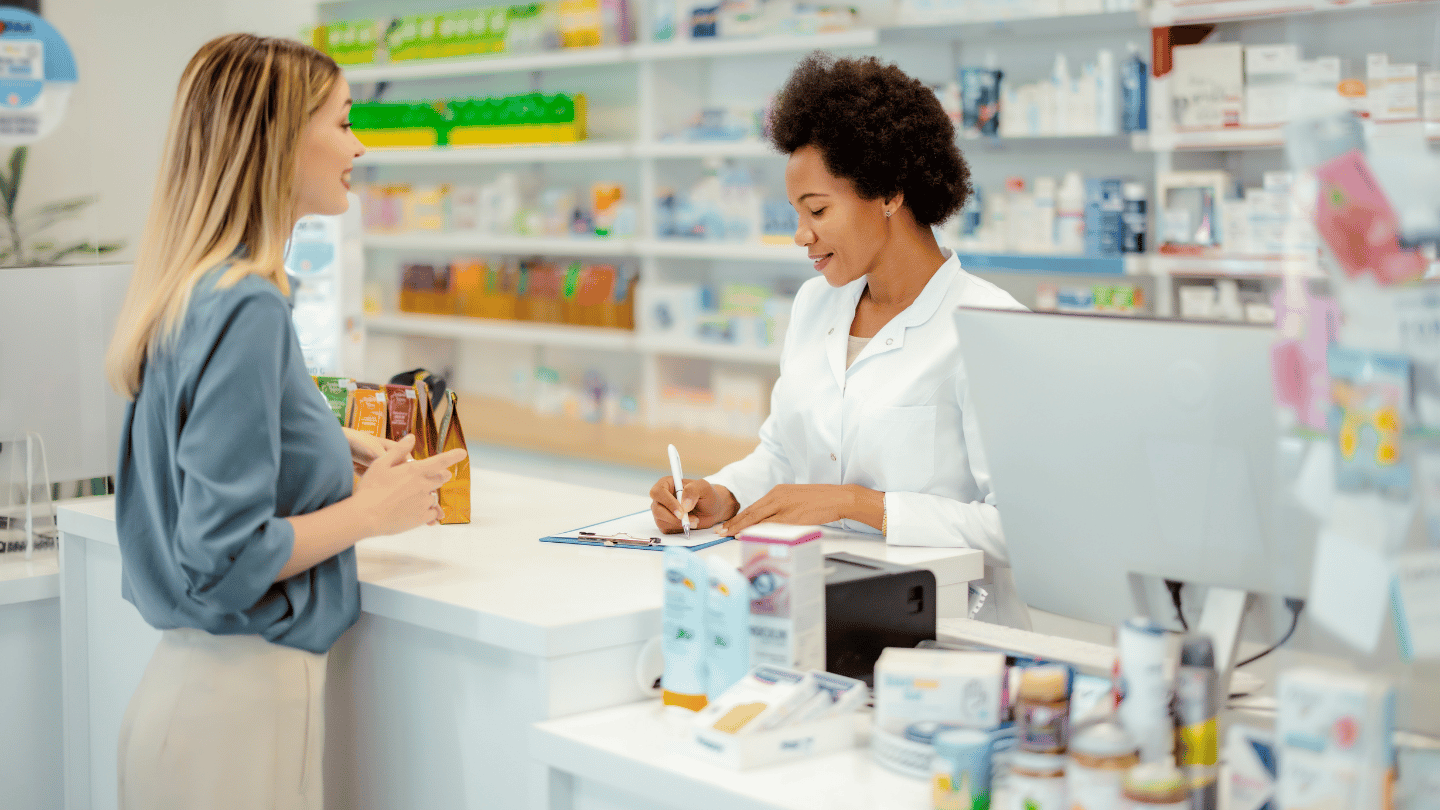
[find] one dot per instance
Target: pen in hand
(679, 478)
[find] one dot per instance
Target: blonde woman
(235, 502)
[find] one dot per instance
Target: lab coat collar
(892, 335)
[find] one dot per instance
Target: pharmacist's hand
(398, 494)
(796, 505)
(365, 448)
(705, 504)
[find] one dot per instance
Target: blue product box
(1104, 210)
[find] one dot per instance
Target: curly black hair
(877, 127)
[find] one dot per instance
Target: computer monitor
(1122, 446)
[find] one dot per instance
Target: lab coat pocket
(896, 447)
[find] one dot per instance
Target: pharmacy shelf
(512, 245)
(1236, 266)
(793, 43)
(1068, 143)
(472, 155)
(704, 149)
(489, 420)
(1235, 138)
(1210, 11)
(460, 327)
(500, 63)
(705, 249)
(1051, 264)
(768, 356)
(963, 28)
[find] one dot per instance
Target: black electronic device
(871, 605)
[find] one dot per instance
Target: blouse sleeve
(229, 542)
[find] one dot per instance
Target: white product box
(1430, 95)
(944, 686)
(786, 570)
(779, 745)
(1334, 731)
(1207, 86)
(1268, 104)
(1271, 61)
(1400, 100)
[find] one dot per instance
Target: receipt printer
(871, 605)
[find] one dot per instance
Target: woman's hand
(365, 448)
(398, 494)
(705, 504)
(809, 505)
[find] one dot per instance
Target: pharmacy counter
(468, 635)
(30, 670)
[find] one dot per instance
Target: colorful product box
(786, 570)
(942, 686)
(1334, 730)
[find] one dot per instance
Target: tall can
(1147, 672)
(1197, 703)
(1133, 218)
(960, 770)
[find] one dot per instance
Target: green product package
(348, 42)
(337, 394)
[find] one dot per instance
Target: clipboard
(635, 531)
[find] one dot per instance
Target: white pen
(678, 477)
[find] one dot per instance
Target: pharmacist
(871, 426)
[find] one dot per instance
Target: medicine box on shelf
(784, 744)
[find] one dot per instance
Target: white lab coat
(899, 420)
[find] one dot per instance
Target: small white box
(1271, 62)
(1399, 100)
(1267, 104)
(1430, 93)
(944, 686)
(779, 745)
(1207, 86)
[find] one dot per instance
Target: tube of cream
(727, 627)
(683, 629)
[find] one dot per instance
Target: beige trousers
(224, 723)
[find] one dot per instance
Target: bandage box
(1334, 731)
(944, 686)
(786, 570)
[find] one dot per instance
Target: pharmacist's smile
(821, 260)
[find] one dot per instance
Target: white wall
(130, 54)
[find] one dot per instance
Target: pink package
(1357, 222)
(1297, 366)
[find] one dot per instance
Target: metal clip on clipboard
(617, 539)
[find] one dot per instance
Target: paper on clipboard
(622, 532)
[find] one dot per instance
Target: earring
(888, 213)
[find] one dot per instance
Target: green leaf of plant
(109, 247)
(62, 207)
(4, 194)
(17, 172)
(54, 258)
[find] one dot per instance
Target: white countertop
(492, 580)
(634, 747)
(31, 580)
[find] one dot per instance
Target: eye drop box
(1334, 731)
(786, 571)
(943, 686)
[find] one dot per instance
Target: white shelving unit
(656, 69)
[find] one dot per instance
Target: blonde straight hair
(227, 179)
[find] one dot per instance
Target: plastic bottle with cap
(1037, 781)
(1156, 786)
(1100, 755)
(1042, 709)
